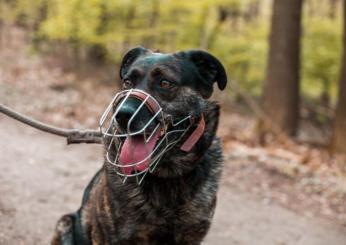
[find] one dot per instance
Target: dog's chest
(150, 217)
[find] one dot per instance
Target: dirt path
(41, 178)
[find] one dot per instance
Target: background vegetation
(234, 30)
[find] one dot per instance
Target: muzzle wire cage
(158, 135)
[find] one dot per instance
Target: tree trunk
(210, 39)
(2, 24)
(333, 7)
(253, 11)
(149, 41)
(281, 89)
(338, 143)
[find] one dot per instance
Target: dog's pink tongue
(134, 150)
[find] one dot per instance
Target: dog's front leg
(193, 234)
(64, 231)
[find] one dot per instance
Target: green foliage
(244, 54)
(23, 12)
(168, 25)
(236, 31)
(321, 56)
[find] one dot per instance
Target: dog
(174, 203)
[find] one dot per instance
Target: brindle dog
(174, 204)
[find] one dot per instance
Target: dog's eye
(166, 84)
(127, 83)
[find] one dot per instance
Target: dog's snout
(132, 115)
(124, 115)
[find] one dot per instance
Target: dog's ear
(209, 69)
(130, 57)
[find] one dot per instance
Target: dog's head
(167, 74)
(180, 84)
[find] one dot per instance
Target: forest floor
(273, 194)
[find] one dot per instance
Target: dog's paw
(63, 231)
(64, 224)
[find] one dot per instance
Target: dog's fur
(175, 203)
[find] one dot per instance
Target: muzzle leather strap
(152, 105)
(195, 136)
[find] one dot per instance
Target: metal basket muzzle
(159, 134)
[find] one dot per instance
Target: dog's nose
(124, 115)
(130, 111)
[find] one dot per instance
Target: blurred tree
(281, 89)
(1, 23)
(333, 8)
(253, 10)
(338, 142)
